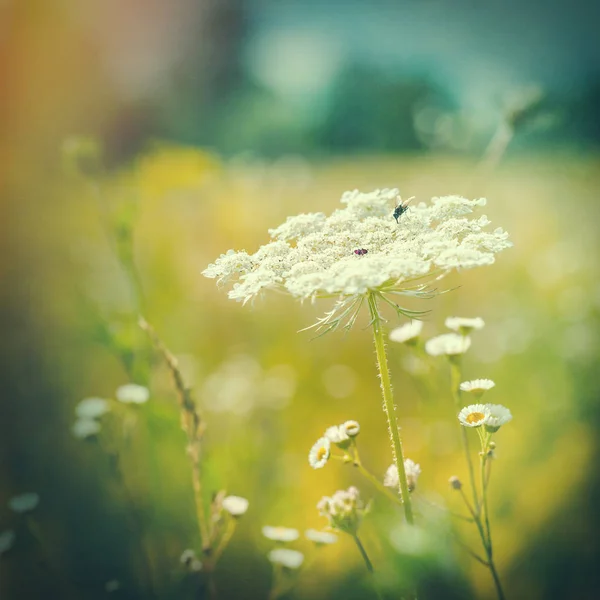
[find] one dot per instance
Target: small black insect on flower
(360, 251)
(401, 209)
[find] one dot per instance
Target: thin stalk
(387, 492)
(455, 380)
(389, 408)
(368, 562)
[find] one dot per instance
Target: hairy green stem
(368, 562)
(389, 408)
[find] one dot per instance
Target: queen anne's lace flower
(313, 255)
(412, 469)
(406, 333)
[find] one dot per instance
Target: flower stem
(389, 408)
(368, 562)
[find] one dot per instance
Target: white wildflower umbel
(319, 453)
(314, 255)
(280, 534)
(448, 344)
(464, 326)
(407, 334)
(412, 469)
(344, 510)
(290, 559)
(236, 506)
(498, 415)
(477, 387)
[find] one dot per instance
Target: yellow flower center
(322, 453)
(475, 417)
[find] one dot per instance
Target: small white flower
(412, 470)
(320, 537)
(112, 586)
(449, 344)
(344, 509)
(291, 559)
(24, 502)
(280, 534)
(352, 428)
(474, 415)
(131, 393)
(319, 453)
(84, 428)
(499, 415)
(7, 539)
(92, 408)
(464, 325)
(189, 559)
(406, 333)
(337, 435)
(477, 386)
(235, 505)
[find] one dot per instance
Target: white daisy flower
(24, 503)
(319, 453)
(291, 559)
(408, 333)
(235, 505)
(85, 428)
(280, 534)
(464, 325)
(499, 415)
(131, 393)
(92, 408)
(112, 586)
(320, 537)
(7, 539)
(448, 344)
(474, 415)
(352, 428)
(412, 469)
(477, 386)
(337, 435)
(361, 248)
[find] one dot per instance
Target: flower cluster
(344, 510)
(313, 255)
(412, 469)
(340, 435)
(491, 416)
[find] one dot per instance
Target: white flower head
(280, 534)
(320, 538)
(290, 559)
(477, 387)
(360, 248)
(189, 559)
(499, 415)
(7, 539)
(352, 428)
(319, 453)
(448, 344)
(131, 393)
(92, 408)
(236, 506)
(474, 415)
(407, 334)
(464, 326)
(344, 509)
(24, 503)
(338, 435)
(85, 428)
(412, 470)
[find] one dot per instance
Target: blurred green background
(218, 120)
